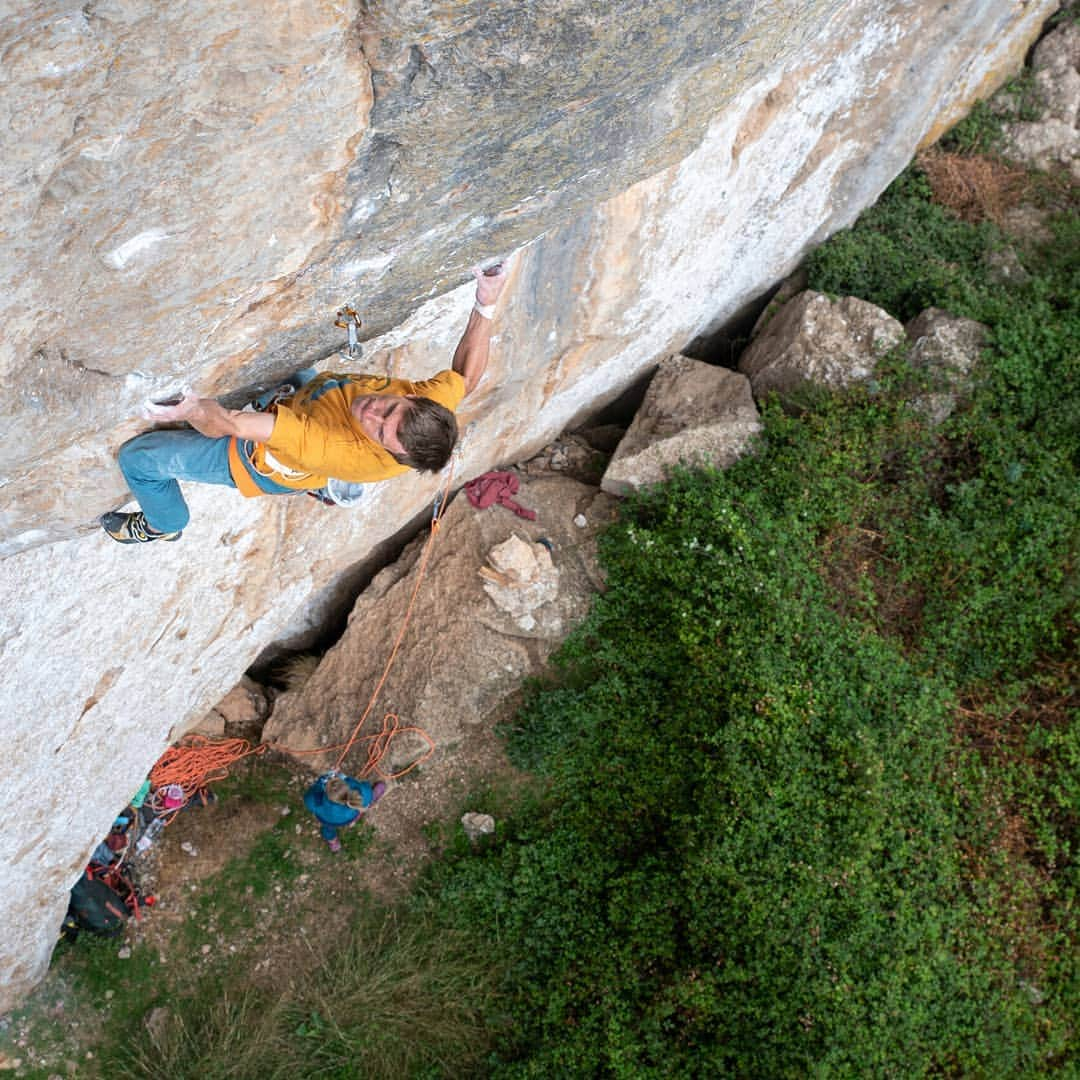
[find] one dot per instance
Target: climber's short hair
(338, 791)
(429, 432)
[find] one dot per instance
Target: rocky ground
(246, 892)
(274, 927)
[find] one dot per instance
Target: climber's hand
(172, 409)
(490, 282)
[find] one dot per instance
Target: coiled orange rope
(198, 760)
(379, 746)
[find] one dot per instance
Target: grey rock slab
(693, 413)
(816, 341)
(192, 192)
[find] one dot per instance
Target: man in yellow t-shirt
(355, 428)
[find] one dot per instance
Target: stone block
(815, 341)
(693, 413)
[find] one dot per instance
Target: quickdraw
(348, 319)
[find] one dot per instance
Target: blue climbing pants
(153, 463)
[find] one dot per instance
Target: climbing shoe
(377, 792)
(132, 529)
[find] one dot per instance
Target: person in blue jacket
(338, 801)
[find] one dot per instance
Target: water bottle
(150, 835)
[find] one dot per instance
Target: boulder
(788, 289)
(520, 578)
(1007, 268)
(815, 341)
(470, 640)
(241, 710)
(1027, 224)
(949, 344)
(692, 412)
(477, 826)
(948, 347)
(1053, 138)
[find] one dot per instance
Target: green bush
(747, 816)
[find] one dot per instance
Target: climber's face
(380, 416)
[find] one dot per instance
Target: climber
(355, 428)
(337, 802)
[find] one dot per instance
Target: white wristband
(486, 310)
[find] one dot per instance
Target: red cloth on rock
(497, 487)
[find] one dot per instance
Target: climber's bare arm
(209, 418)
(471, 355)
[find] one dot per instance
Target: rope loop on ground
(198, 760)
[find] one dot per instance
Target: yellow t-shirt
(315, 436)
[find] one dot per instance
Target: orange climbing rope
(383, 739)
(377, 750)
(198, 760)
(380, 745)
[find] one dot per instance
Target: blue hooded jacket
(332, 813)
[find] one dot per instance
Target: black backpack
(95, 907)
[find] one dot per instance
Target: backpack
(95, 907)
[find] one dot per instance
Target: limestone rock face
(815, 340)
(193, 190)
(1054, 138)
(692, 413)
(464, 650)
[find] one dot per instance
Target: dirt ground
(315, 905)
(282, 933)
